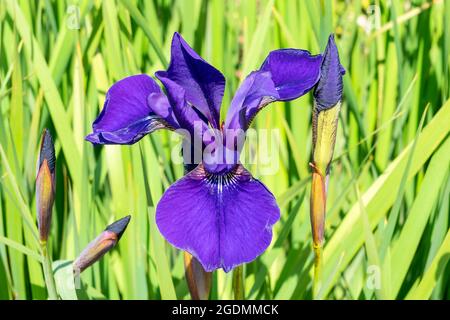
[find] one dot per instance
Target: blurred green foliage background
(387, 231)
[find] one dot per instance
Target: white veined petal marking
(222, 180)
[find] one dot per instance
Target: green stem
(317, 270)
(48, 273)
(238, 283)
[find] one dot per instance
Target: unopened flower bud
(328, 91)
(45, 185)
(327, 104)
(97, 248)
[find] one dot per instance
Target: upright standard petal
(328, 91)
(222, 220)
(127, 116)
(189, 119)
(285, 75)
(256, 91)
(204, 84)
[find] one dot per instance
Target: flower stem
(238, 283)
(318, 209)
(48, 273)
(317, 270)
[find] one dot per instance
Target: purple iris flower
(217, 212)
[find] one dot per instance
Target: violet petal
(285, 75)
(126, 115)
(204, 84)
(222, 220)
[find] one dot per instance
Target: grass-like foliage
(387, 231)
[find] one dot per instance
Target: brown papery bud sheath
(199, 281)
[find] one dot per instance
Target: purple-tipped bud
(97, 248)
(45, 185)
(327, 102)
(118, 227)
(328, 91)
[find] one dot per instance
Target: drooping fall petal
(285, 75)
(134, 107)
(293, 71)
(222, 220)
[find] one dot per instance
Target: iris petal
(189, 119)
(186, 115)
(256, 91)
(204, 84)
(127, 116)
(294, 72)
(285, 75)
(222, 220)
